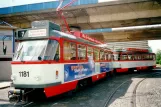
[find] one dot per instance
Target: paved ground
(3, 97)
(149, 93)
(4, 84)
(138, 92)
(98, 94)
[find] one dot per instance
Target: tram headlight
(37, 78)
(13, 77)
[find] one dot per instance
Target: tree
(158, 56)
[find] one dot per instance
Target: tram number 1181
(24, 73)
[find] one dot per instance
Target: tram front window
(52, 51)
(30, 50)
(36, 50)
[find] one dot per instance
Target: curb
(4, 87)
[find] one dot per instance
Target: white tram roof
(132, 50)
(45, 29)
(40, 33)
(77, 36)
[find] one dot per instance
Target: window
(139, 57)
(151, 57)
(102, 55)
(147, 57)
(129, 57)
(154, 57)
(123, 57)
(116, 57)
(30, 50)
(81, 52)
(69, 51)
(89, 51)
(52, 51)
(96, 54)
(108, 56)
(143, 57)
(112, 57)
(136, 57)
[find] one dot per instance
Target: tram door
(96, 59)
(90, 58)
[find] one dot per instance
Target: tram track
(23, 104)
(133, 102)
(134, 92)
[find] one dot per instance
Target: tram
(133, 59)
(50, 62)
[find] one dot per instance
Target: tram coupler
(15, 95)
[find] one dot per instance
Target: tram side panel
(73, 73)
(124, 66)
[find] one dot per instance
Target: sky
(155, 44)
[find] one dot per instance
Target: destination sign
(37, 33)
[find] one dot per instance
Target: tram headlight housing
(13, 77)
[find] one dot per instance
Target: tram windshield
(36, 50)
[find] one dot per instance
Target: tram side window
(96, 54)
(102, 55)
(81, 52)
(151, 57)
(124, 57)
(109, 56)
(116, 57)
(136, 57)
(129, 57)
(132, 57)
(112, 57)
(89, 51)
(154, 57)
(147, 57)
(52, 51)
(144, 57)
(106, 54)
(69, 51)
(139, 57)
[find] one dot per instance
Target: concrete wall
(5, 66)
(5, 70)
(9, 49)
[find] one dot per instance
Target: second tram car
(133, 59)
(53, 62)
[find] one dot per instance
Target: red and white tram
(133, 59)
(53, 62)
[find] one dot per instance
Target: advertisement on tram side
(105, 67)
(77, 71)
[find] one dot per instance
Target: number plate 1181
(24, 73)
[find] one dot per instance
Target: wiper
(19, 51)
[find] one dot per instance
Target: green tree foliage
(160, 62)
(158, 56)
